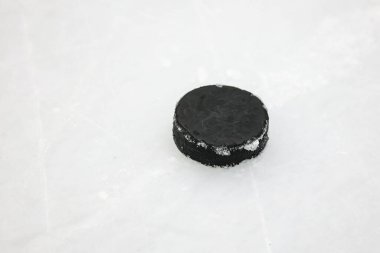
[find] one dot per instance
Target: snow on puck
(220, 125)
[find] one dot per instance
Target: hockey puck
(220, 125)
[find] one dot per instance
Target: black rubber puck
(220, 125)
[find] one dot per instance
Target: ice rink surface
(87, 95)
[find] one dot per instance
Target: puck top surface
(221, 115)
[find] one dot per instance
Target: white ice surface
(87, 95)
